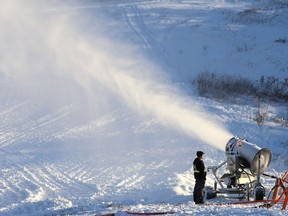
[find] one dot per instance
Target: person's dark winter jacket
(199, 169)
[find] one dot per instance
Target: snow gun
(246, 162)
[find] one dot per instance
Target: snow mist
(64, 54)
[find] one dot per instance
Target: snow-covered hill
(97, 110)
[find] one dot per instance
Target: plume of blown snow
(41, 46)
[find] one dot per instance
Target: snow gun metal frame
(245, 163)
(280, 195)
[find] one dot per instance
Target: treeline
(226, 86)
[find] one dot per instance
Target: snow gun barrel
(241, 153)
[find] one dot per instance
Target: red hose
(150, 213)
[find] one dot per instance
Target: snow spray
(39, 46)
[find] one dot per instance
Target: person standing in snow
(200, 177)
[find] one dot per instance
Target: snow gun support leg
(281, 190)
(214, 170)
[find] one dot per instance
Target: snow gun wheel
(209, 192)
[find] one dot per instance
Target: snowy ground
(78, 135)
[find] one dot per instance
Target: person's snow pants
(198, 191)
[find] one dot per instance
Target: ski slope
(97, 110)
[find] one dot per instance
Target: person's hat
(199, 153)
